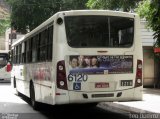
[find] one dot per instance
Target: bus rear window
(99, 31)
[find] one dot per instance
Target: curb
(121, 109)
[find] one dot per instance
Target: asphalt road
(18, 107)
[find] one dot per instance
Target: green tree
(4, 20)
(28, 14)
(74, 4)
(125, 5)
(4, 24)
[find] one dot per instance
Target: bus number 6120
(78, 77)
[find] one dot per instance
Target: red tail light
(8, 67)
(138, 81)
(61, 75)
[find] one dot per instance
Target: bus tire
(32, 97)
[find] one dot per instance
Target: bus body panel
(41, 75)
(127, 95)
(22, 84)
(133, 94)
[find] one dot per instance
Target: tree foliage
(4, 24)
(150, 11)
(4, 19)
(125, 5)
(28, 14)
(74, 4)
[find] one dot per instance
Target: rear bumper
(5, 80)
(125, 95)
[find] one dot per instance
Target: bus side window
(42, 46)
(34, 49)
(37, 47)
(24, 52)
(28, 49)
(20, 54)
(16, 56)
(50, 43)
(13, 55)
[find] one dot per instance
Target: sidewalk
(150, 103)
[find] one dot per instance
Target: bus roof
(19, 40)
(97, 11)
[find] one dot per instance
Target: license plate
(126, 82)
(102, 85)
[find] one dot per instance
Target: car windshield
(3, 60)
(99, 31)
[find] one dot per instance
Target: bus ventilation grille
(102, 95)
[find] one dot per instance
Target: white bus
(81, 56)
(5, 66)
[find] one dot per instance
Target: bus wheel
(32, 97)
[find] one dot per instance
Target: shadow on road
(73, 111)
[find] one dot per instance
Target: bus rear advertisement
(109, 64)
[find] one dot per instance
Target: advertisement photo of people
(101, 64)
